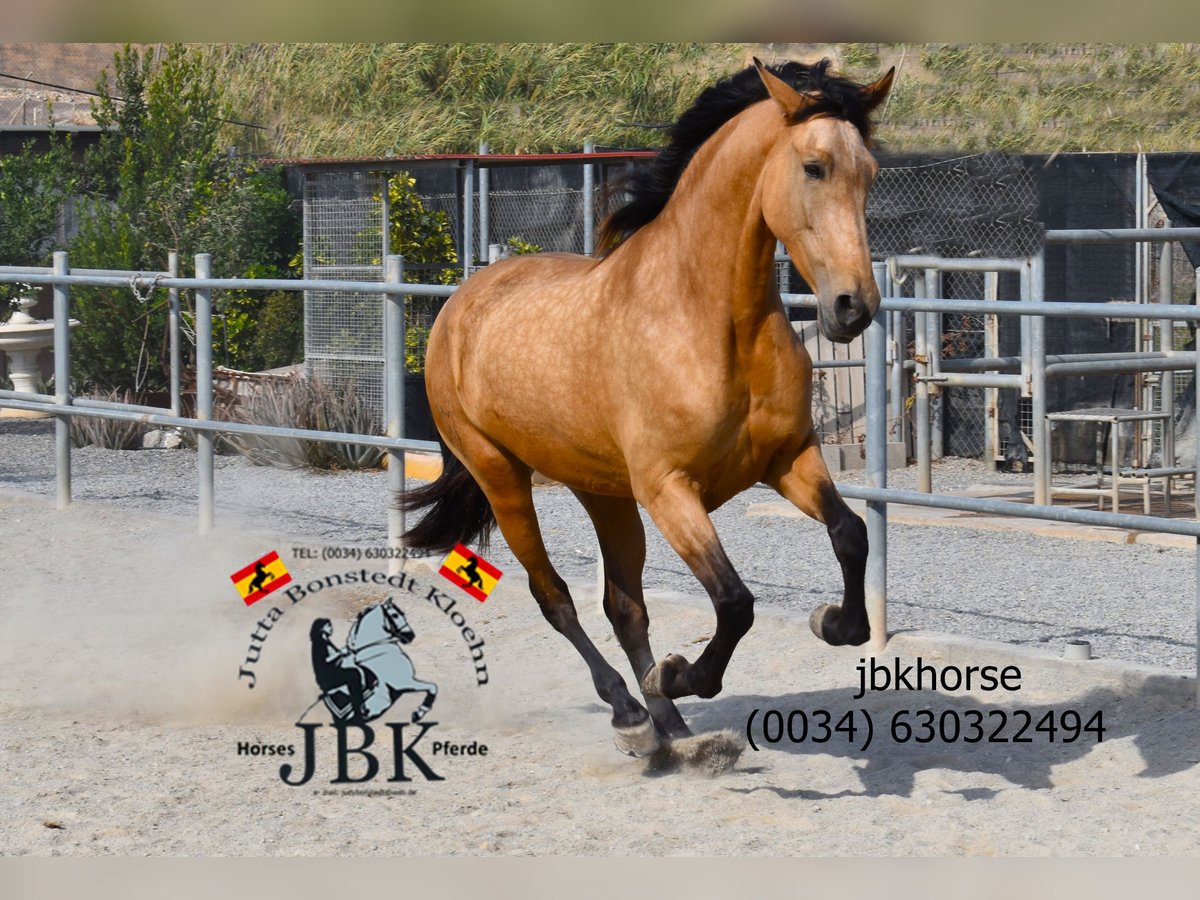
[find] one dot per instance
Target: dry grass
(371, 99)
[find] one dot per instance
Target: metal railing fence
(62, 405)
(884, 357)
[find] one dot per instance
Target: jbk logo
(365, 736)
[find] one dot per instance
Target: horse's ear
(876, 92)
(790, 99)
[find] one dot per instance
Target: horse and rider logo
(360, 681)
(260, 578)
(472, 573)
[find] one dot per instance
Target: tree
(33, 187)
(158, 181)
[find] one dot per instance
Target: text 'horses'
(666, 372)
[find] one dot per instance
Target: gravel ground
(1132, 602)
(121, 732)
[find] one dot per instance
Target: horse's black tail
(459, 511)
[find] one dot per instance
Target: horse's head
(396, 625)
(814, 193)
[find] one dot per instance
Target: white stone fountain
(22, 337)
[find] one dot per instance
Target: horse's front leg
(804, 479)
(680, 515)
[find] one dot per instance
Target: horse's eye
(814, 171)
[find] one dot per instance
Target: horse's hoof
(823, 623)
(665, 679)
(826, 623)
(637, 740)
(419, 713)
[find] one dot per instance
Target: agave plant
(298, 402)
(111, 434)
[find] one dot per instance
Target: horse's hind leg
(680, 515)
(623, 545)
(804, 480)
(507, 485)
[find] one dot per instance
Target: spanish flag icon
(260, 578)
(472, 573)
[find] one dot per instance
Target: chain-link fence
(343, 240)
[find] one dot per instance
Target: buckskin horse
(665, 373)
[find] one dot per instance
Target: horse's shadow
(1166, 732)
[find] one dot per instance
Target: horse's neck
(714, 218)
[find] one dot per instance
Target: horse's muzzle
(407, 636)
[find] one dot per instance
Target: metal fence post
(204, 392)
(876, 402)
(937, 395)
(468, 219)
(1166, 343)
(1037, 337)
(589, 212)
(1196, 489)
(393, 415)
(62, 380)
(485, 176)
(921, 406)
(173, 334)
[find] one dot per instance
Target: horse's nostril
(843, 309)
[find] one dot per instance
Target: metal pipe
(126, 274)
(485, 178)
(173, 325)
(1128, 521)
(1011, 363)
(921, 391)
(875, 580)
(898, 345)
(1166, 343)
(937, 401)
(62, 381)
(975, 380)
(1073, 310)
(589, 211)
(212, 426)
(1120, 235)
(204, 394)
(1026, 333)
(236, 284)
(468, 241)
(89, 403)
(21, 395)
(1037, 334)
(1118, 367)
(958, 264)
(394, 363)
(839, 363)
(991, 395)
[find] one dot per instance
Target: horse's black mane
(650, 188)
